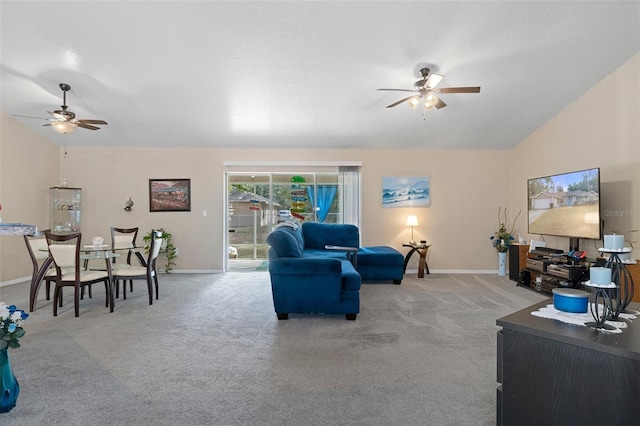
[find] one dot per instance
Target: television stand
(574, 244)
(543, 273)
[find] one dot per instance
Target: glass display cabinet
(65, 209)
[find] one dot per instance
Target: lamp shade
(63, 126)
(412, 221)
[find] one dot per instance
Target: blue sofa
(306, 277)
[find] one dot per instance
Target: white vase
(502, 264)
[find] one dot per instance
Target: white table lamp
(412, 221)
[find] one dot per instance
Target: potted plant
(11, 320)
(167, 247)
(502, 238)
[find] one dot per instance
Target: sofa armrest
(306, 285)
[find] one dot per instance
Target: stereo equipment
(547, 251)
(538, 264)
(568, 272)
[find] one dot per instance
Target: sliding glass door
(249, 215)
(256, 202)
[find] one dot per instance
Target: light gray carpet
(210, 351)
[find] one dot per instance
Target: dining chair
(123, 238)
(38, 253)
(148, 272)
(65, 251)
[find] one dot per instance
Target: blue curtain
(326, 194)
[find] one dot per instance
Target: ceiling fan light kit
(424, 91)
(64, 121)
(63, 126)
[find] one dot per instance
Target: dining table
(107, 253)
(88, 252)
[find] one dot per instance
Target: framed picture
(405, 191)
(170, 195)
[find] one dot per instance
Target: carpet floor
(210, 351)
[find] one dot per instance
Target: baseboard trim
(455, 271)
(173, 271)
(16, 281)
(220, 271)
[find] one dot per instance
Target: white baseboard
(219, 271)
(173, 271)
(16, 281)
(455, 271)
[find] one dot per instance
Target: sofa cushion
(380, 263)
(317, 235)
(284, 242)
(324, 253)
(295, 228)
(380, 256)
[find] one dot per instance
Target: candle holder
(623, 294)
(601, 312)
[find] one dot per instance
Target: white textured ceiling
(305, 73)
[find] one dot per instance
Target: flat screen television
(566, 205)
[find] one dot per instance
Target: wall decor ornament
(167, 195)
(128, 205)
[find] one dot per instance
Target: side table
(352, 253)
(422, 264)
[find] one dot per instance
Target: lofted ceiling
(305, 73)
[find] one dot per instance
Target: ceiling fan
(64, 121)
(424, 90)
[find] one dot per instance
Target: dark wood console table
(553, 373)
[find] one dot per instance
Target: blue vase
(9, 387)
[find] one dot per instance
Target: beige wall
(467, 187)
(28, 167)
(458, 222)
(601, 129)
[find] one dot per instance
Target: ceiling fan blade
(440, 103)
(398, 90)
(28, 116)
(433, 80)
(432, 101)
(57, 115)
(401, 101)
(87, 126)
(458, 90)
(92, 121)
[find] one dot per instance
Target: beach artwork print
(405, 192)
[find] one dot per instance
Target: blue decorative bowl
(570, 300)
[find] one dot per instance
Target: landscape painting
(167, 195)
(405, 191)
